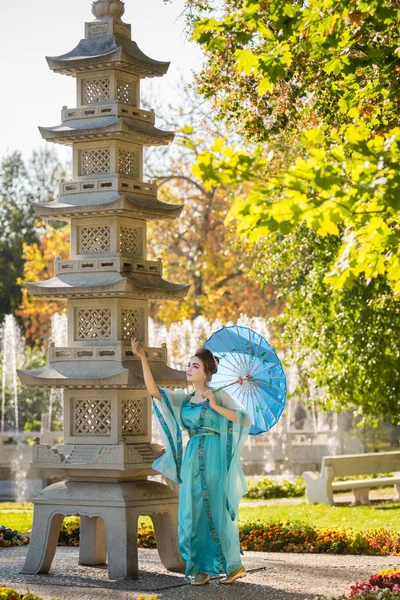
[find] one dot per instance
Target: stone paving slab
(271, 576)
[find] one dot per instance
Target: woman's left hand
(208, 394)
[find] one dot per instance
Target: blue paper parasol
(251, 370)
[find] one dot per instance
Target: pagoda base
(109, 524)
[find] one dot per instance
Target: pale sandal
(200, 579)
(241, 572)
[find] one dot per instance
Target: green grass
(320, 515)
(374, 493)
(15, 506)
(21, 521)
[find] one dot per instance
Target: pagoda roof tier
(100, 374)
(107, 284)
(104, 52)
(100, 128)
(107, 203)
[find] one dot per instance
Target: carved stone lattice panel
(132, 417)
(125, 92)
(92, 417)
(127, 163)
(94, 239)
(130, 324)
(95, 161)
(96, 90)
(94, 323)
(129, 240)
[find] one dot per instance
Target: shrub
(361, 477)
(70, 531)
(268, 488)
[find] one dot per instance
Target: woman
(210, 474)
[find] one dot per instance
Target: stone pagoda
(107, 450)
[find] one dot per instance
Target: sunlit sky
(32, 95)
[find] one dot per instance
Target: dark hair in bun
(209, 361)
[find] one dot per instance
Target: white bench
(320, 487)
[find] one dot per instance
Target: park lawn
(318, 515)
(21, 521)
(322, 515)
(16, 506)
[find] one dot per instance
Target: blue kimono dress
(210, 474)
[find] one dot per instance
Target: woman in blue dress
(210, 474)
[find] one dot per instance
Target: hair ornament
(216, 360)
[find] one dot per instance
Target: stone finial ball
(116, 8)
(108, 8)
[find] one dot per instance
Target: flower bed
(389, 581)
(383, 586)
(70, 531)
(297, 536)
(10, 537)
(374, 595)
(11, 594)
(274, 536)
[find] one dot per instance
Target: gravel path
(271, 576)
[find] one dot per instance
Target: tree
(321, 79)
(313, 89)
(268, 63)
(21, 184)
(36, 313)
(346, 342)
(198, 248)
(17, 225)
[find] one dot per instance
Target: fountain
(59, 336)
(17, 480)
(12, 348)
(14, 458)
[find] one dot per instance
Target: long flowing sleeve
(233, 437)
(168, 412)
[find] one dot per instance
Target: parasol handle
(225, 386)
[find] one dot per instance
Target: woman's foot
(200, 579)
(241, 572)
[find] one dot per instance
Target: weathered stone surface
(99, 51)
(94, 374)
(122, 129)
(110, 284)
(119, 506)
(108, 281)
(104, 204)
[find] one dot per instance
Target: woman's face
(195, 370)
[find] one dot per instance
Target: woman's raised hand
(137, 348)
(211, 397)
